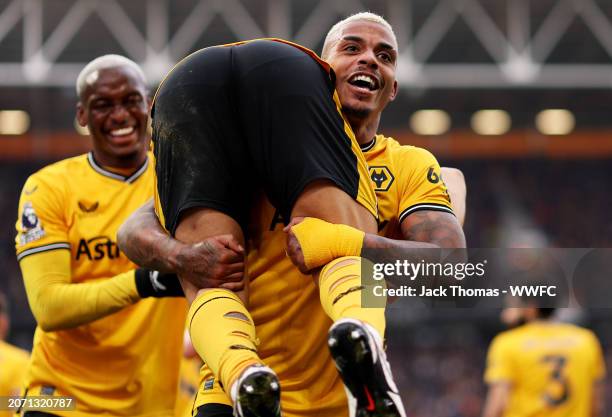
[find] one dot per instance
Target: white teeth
(364, 78)
(122, 132)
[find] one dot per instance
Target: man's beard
(353, 113)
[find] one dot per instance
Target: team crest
(382, 178)
(31, 228)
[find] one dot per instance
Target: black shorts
(232, 121)
(215, 410)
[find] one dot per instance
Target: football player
(542, 367)
(373, 47)
(94, 341)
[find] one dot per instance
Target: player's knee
(199, 223)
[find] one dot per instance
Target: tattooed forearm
(372, 241)
(422, 230)
(146, 243)
(440, 228)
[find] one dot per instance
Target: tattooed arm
(421, 230)
(426, 229)
(214, 262)
(146, 243)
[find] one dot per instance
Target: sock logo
(209, 383)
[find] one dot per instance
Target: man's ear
(394, 91)
(80, 114)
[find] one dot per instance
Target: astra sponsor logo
(97, 248)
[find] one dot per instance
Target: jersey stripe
(367, 146)
(106, 173)
(43, 248)
(423, 206)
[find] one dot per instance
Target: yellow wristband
(322, 242)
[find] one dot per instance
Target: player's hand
(215, 262)
(294, 250)
(156, 284)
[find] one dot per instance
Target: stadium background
(515, 93)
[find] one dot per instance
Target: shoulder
(402, 154)
(585, 334)
(507, 339)
(60, 170)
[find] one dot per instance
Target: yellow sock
(340, 290)
(223, 334)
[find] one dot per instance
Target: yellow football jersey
(125, 364)
(290, 322)
(551, 367)
(13, 365)
(406, 179)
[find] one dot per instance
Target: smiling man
(292, 315)
(365, 84)
(94, 342)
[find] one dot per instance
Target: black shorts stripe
(423, 206)
(43, 248)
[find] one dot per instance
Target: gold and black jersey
(290, 322)
(406, 180)
(551, 368)
(125, 364)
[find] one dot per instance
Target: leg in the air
(355, 338)
(222, 330)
